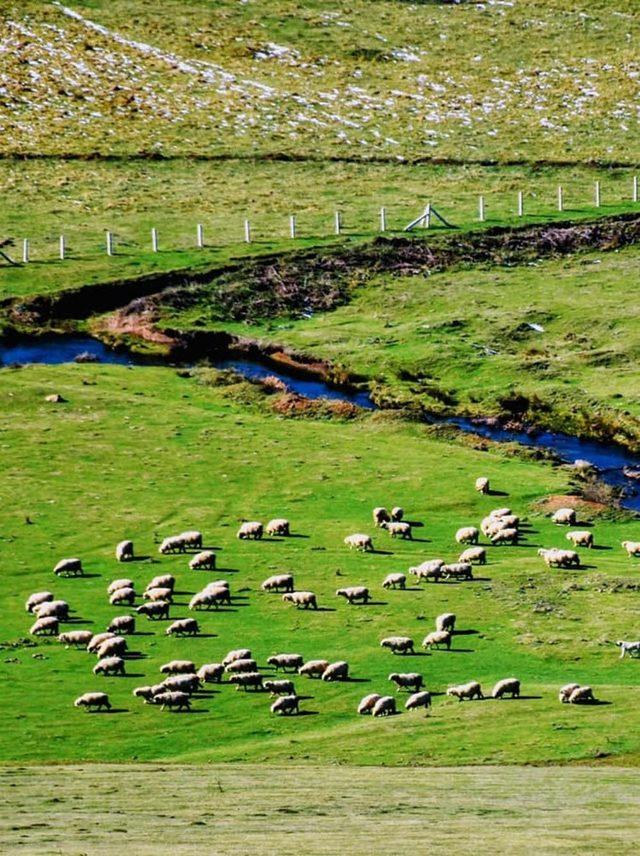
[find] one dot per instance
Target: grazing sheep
(183, 627)
(37, 598)
(630, 648)
(241, 666)
(564, 517)
(93, 700)
(286, 661)
(416, 700)
(45, 627)
(204, 561)
(303, 599)
(97, 639)
(500, 512)
(474, 554)
(124, 551)
(580, 538)
(237, 654)
(367, 703)
(215, 585)
(446, 621)
(314, 668)
(352, 594)
(407, 680)
(210, 596)
(246, 680)
(632, 548)
(398, 644)
(467, 535)
(507, 686)
(75, 637)
(278, 526)
(489, 524)
(505, 536)
(385, 706)
(581, 695)
(109, 666)
(398, 529)
(466, 692)
(172, 544)
(430, 570)
(52, 609)
(437, 638)
(192, 540)
(285, 687)
(114, 647)
(68, 568)
(457, 570)
(158, 594)
(560, 558)
(338, 671)
(397, 513)
(162, 581)
(148, 692)
(482, 484)
(565, 692)
(177, 700)
(156, 609)
(395, 581)
(178, 667)
(249, 530)
(211, 673)
(286, 705)
(123, 624)
(277, 582)
(359, 541)
(122, 595)
(188, 683)
(380, 516)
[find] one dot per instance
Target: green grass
(140, 453)
(319, 810)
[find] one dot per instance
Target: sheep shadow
(465, 632)
(82, 577)
(601, 547)
(454, 650)
(206, 635)
(189, 711)
(380, 552)
(129, 675)
(351, 680)
(135, 655)
(137, 559)
(373, 603)
(597, 702)
(111, 710)
(298, 535)
(141, 633)
(521, 698)
(227, 570)
(307, 713)
(491, 492)
(478, 580)
(418, 540)
(322, 609)
(77, 621)
(415, 524)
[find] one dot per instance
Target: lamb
(158, 594)
(398, 529)
(359, 541)
(446, 621)
(124, 551)
(407, 680)
(457, 570)
(338, 671)
(580, 538)
(430, 570)
(367, 703)
(192, 540)
(565, 692)
(246, 680)
(437, 638)
(250, 529)
(97, 639)
(93, 700)
(237, 654)
(210, 673)
(183, 627)
(178, 667)
(467, 535)
(187, 683)
(241, 666)
(52, 609)
(581, 695)
(507, 686)
(632, 548)
(278, 526)
(416, 700)
(564, 517)
(109, 666)
(286, 705)
(122, 595)
(482, 484)
(473, 554)
(286, 661)
(205, 561)
(177, 700)
(314, 668)
(37, 598)
(630, 648)
(122, 624)
(277, 582)
(385, 706)
(162, 581)
(395, 580)
(68, 568)
(172, 544)
(301, 599)
(156, 609)
(466, 692)
(397, 513)
(119, 584)
(380, 516)
(75, 637)
(45, 627)
(398, 644)
(352, 594)
(285, 687)
(114, 647)
(505, 536)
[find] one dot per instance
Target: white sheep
(505, 536)
(466, 692)
(186, 683)
(417, 700)
(250, 530)
(437, 638)
(176, 699)
(45, 627)
(581, 695)
(237, 654)
(123, 595)
(183, 627)
(446, 621)
(299, 599)
(380, 516)
(246, 680)
(397, 513)
(286, 661)
(123, 624)
(52, 609)
(353, 594)
(93, 700)
(314, 668)
(565, 692)
(216, 585)
(338, 671)
(482, 484)
(241, 666)
(500, 512)
(429, 570)
(207, 599)
(206, 560)
(385, 706)
(407, 680)
(109, 666)
(162, 581)
(398, 529)
(367, 703)
(114, 647)
(560, 558)
(286, 705)
(580, 538)
(210, 673)
(97, 639)
(474, 554)
(564, 517)
(178, 667)
(192, 539)
(124, 551)
(37, 598)
(632, 548)
(147, 692)
(395, 580)
(507, 686)
(359, 541)
(283, 687)
(172, 544)
(630, 648)
(278, 526)
(155, 610)
(75, 637)
(277, 582)
(467, 535)
(68, 568)
(398, 644)
(158, 594)
(457, 570)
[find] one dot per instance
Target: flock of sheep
(182, 678)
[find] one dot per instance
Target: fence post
(109, 238)
(383, 219)
(634, 191)
(154, 240)
(560, 198)
(481, 209)
(25, 251)
(62, 247)
(596, 194)
(520, 204)
(247, 232)
(199, 236)
(337, 222)
(292, 226)
(427, 216)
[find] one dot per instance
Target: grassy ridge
(152, 453)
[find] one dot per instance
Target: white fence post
(247, 232)
(25, 251)
(337, 222)
(109, 238)
(383, 219)
(199, 236)
(62, 247)
(292, 226)
(596, 194)
(520, 204)
(481, 215)
(427, 216)
(154, 240)
(560, 198)
(634, 189)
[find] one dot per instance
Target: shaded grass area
(142, 453)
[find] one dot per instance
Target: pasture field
(141, 453)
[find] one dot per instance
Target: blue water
(54, 350)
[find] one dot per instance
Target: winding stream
(608, 458)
